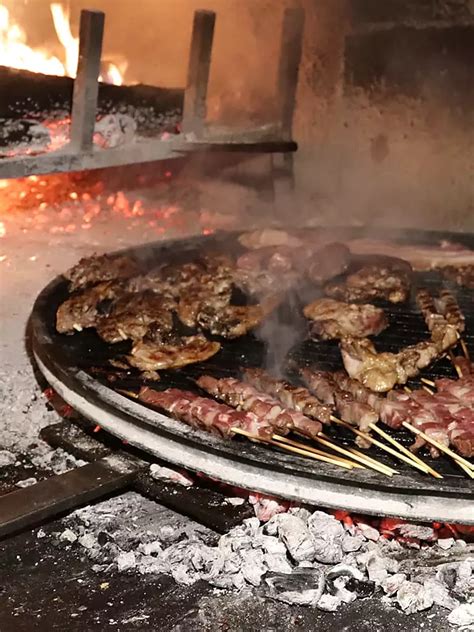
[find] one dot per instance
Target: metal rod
(86, 84)
(290, 57)
(195, 94)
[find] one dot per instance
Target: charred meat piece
(195, 300)
(98, 268)
(333, 319)
(461, 275)
(247, 398)
(271, 269)
(205, 414)
(372, 281)
(294, 397)
(132, 315)
(81, 310)
(233, 321)
(330, 261)
(171, 352)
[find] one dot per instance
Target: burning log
(34, 95)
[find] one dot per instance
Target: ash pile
(297, 557)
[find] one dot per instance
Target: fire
(15, 52)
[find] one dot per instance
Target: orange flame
(15, 52)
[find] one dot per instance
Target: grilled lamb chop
(335, 319)
(204, 413)
(386, 281)
(247, 398)
(171, 352)
(330, 261)
(81, 310)
(95, 269)
(132, 315)
(268, 237)
(294, 397)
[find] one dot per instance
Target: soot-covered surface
(68, 356)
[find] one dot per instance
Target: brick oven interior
(383, 121)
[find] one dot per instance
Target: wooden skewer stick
(441, 447)
(428, 390)
(407, 389)
(428, 382)
(127, 393)
(304, 446)
(381, 445)
(361, 458)
(465, 350)
(421, 464)
(468, 471)
(375, 464)
(318, 457)
(455, 364)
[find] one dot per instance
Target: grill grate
(89, 353)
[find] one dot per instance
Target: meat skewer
(295, 397)
(204, 413)
(245, 397)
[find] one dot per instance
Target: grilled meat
(81, 310)
(330, 261)
(270, 269)
(247, 398)
(95, 269)
(171, 352)
(461, 275)
(441, 309)
(132, 315)
(196, 299)
(420, 256)
(335, 319)
(268, 237)
(371, 281)
(323, 385)
(204, 413)
(294, 397)
(447, 305)
(380, 372)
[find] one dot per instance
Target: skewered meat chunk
(95, 269)
(132, 315)
(323, 385)
(81, 310)
(372, 281)
(204, 413)
(246, 397)
(171, 352)
(335, 319)
(437, 310)
(461, 275)
(294, 397)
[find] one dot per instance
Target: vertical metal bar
(86, 86)
(290, 57)
(199, 64)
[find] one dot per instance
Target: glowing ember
(15, 52)
(3, 230)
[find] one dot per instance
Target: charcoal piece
(413, 597)
(302, 587)
(362, 588)
(295, 534)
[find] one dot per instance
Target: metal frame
(80, 153)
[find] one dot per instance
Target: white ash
(298, 557)
(159, 472)
(27, 482)
(463, 616)
(7, 458)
